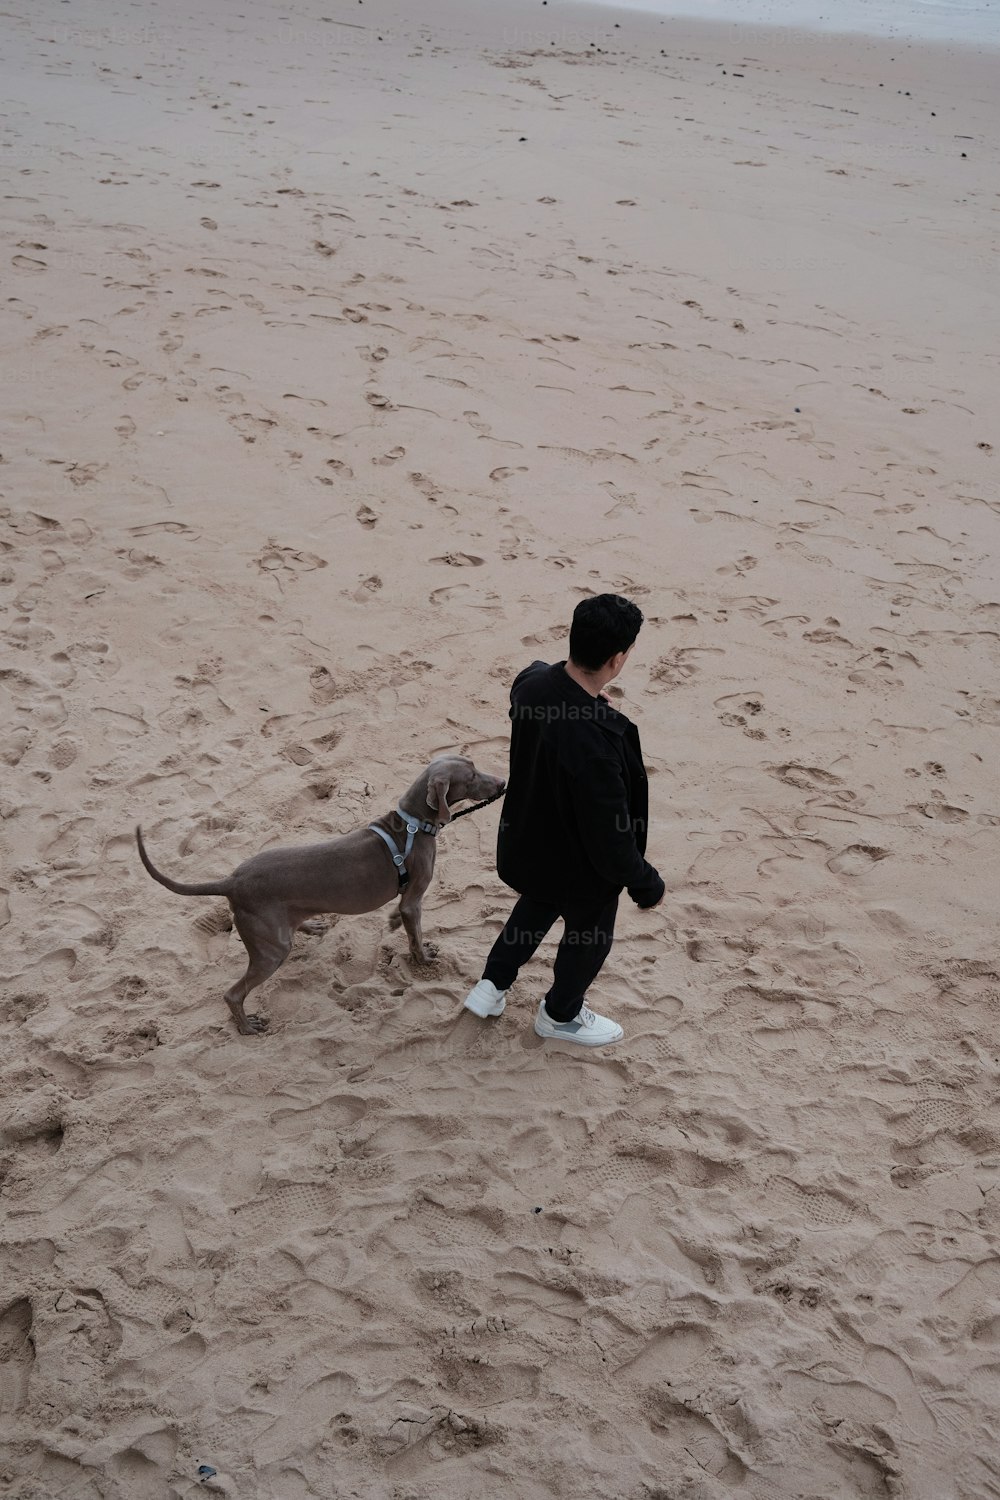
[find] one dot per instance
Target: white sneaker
(586, 1029)
(484, 999)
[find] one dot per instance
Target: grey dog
(276, 892)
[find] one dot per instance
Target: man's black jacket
(573, 827)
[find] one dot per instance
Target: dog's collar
(416, 825)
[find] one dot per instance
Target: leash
(478, 805)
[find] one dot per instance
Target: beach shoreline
(974, 26)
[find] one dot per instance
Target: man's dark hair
(602, 626)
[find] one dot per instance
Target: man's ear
(437, 795)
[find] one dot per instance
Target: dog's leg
(268, 941)
(421, 873)
(409, 911)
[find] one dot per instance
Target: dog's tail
(209, 888)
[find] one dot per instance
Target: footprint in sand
(366, 588)
(17, 1355)
(62, 754)
(511, 545)
(114, 358)
(366, 517)
(544, 637)
(742, 565)
(808, 778)
(625, 500)
(426, 486)
(943, 811)
(80, 474)
(323, 687)
(592, 456)
(14, 745)
(177, 528)
(815, 1204)
(856, 859)
(306, 400)
(737, 715)
(678, 666)
(393, 456)
(250, 427)
(134, 382)
(211, 923)
(277, 559)
(336, 466)
(459, 560)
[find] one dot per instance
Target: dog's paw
(427, 957)
(315, 926)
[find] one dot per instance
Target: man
(573, 831)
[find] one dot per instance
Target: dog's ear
(437, 795)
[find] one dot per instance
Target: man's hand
(651, 905)
(648, 890)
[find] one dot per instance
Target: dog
(278, 891)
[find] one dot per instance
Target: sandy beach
(344, 351)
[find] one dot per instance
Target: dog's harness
(413, 827)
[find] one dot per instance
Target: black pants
(586, 943)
